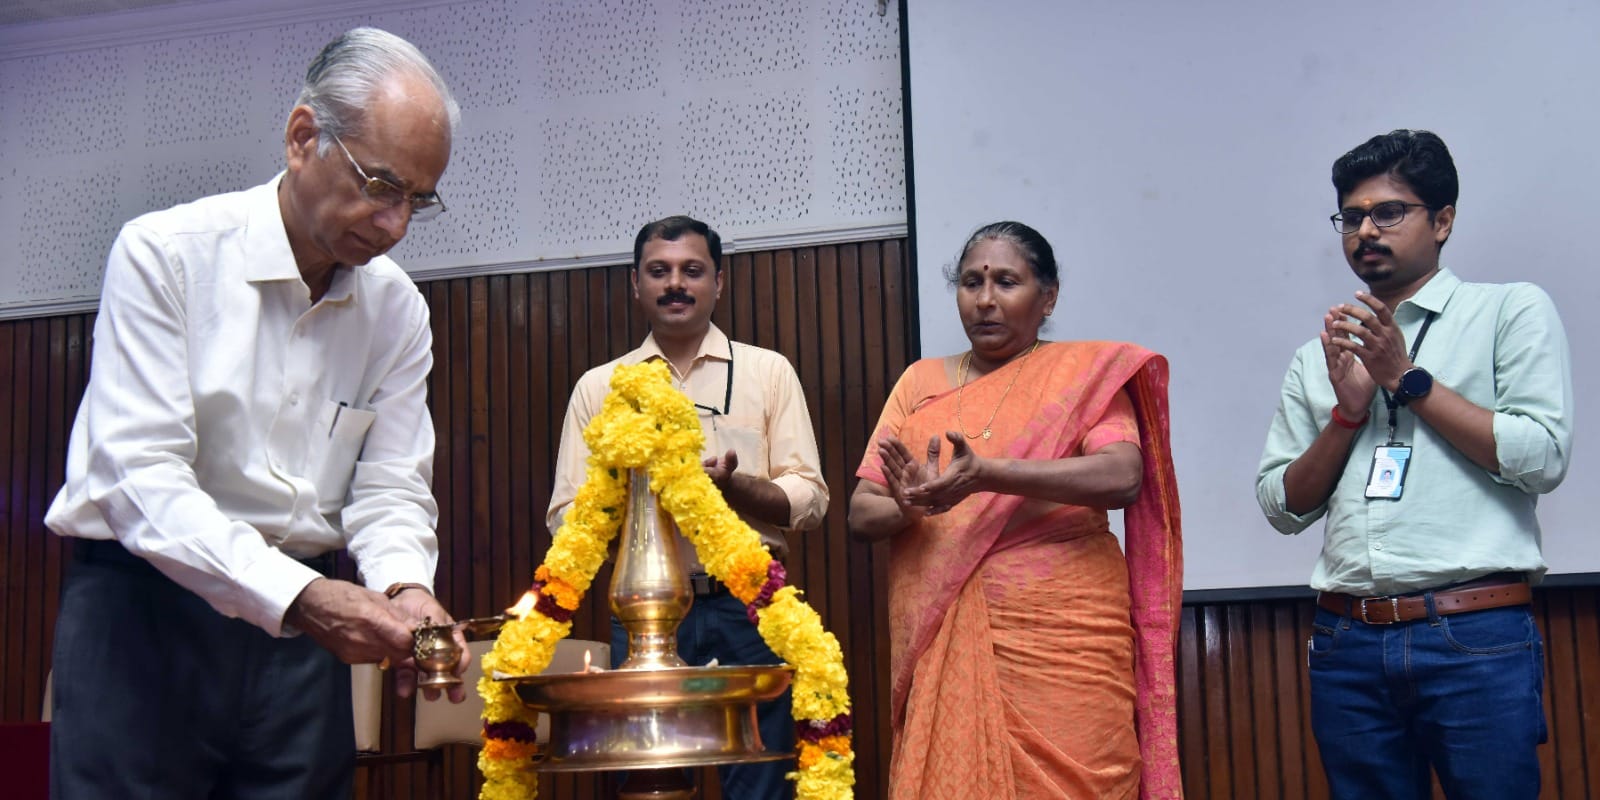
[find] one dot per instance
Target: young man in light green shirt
(1423, 423)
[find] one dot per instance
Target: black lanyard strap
(727, 394)
(1388, 399)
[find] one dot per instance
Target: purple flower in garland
(548, 606)
(814, 730)
(512, 731)
(776, 578)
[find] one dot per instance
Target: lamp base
(653, 719)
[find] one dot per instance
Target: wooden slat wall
(508, 350)
(1244, 695)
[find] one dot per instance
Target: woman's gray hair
(342, 78)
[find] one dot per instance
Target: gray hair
(342, 78)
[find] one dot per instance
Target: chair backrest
(366, 700)
(441, 722)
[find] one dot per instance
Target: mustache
(674, 297)
(1372, 247)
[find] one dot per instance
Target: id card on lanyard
(1390, 461)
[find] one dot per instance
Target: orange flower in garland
(644, 422)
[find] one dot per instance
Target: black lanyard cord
(1388, 400)
(727, 395)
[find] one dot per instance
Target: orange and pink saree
(1029, 657)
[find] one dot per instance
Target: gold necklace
(961, 384)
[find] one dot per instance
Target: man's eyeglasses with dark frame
(1384, 215)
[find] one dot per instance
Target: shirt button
(1377, 545)
(294, 398)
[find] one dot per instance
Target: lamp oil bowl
(654, 712)
(657, 718)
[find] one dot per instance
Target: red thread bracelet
(1338, 419)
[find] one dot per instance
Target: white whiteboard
(1177, 156)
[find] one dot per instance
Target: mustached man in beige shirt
(760, 451)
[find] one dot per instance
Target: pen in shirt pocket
(335, 423)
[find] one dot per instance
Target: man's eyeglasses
(1383, 215)
(387, 195)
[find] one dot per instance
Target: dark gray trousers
(156, 695)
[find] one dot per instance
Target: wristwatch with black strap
(1415, 383)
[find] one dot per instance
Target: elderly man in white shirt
(256, 403)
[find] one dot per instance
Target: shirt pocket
(745, 436)
(331, 461)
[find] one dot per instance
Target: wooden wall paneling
(1585, 645)
(1571, 761)
(832, 420)
(520, 519)
(854, 412)
(592, 329)
(1560, 710)
(1282, 729)
(1214, 674)
(34, 534)
(1192, 740)
(12, 553)
(480, 532)
(544, 420)
(1239, 681)
(764, 301)
(739, 298)
(498, 443)
(22, 430)
(1264, 705)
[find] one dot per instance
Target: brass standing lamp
(653, 715)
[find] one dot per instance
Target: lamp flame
(525, 605)
(587, 656)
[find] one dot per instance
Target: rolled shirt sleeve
(793, 462)
(1294, 427)
(1533, 392)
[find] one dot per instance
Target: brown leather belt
(1495, 592)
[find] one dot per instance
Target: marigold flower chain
(644, 422)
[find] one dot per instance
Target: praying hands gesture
(913, 490)
(1109, 477)
(1364, 349)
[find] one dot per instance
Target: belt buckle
(1394, 611)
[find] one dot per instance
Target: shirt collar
(266, 238)
(267, 242)
(714, 345)
(1436, 292)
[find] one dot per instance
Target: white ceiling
(13, 12)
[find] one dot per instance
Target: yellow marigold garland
(644, 422)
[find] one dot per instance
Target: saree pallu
(947, 628)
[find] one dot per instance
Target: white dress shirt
(750, 401)
(230, 426)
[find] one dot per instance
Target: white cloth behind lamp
(441, 722)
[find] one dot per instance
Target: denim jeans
(1462, 694)
(718, 628)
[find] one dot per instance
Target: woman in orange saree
(1029, 658)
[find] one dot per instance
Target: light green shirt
(1502, 347)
